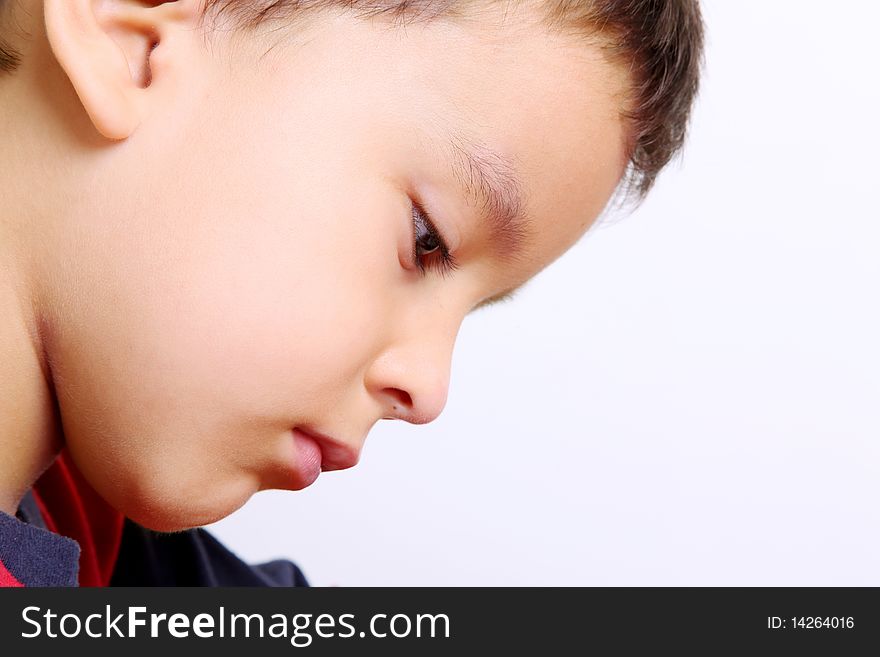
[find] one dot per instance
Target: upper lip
(335, 454)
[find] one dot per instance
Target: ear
(106, 47)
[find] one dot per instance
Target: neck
(30, 436)
(33, 149)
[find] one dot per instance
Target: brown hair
(9, 58)
(660, 43)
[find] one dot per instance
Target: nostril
(148, 69)
(403, 399)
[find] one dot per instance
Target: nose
(410, 379)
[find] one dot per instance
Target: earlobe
(105, 46)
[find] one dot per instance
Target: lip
(333, 454)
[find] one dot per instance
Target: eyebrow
(491, 182)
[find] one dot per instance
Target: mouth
(318, 452)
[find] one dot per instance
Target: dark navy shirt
(30, 554)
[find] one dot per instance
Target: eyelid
(431, 201)
(442, 261)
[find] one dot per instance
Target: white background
(689, 396)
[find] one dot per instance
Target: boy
(234, 235)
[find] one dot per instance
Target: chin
(163, 496)
(164, 512)
(161, 519)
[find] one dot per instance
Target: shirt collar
(34, 555)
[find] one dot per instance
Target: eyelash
(445, 263)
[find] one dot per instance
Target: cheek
(209, 324)
(173, 385)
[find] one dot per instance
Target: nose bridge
(410, 376)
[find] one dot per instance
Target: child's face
(241, 265)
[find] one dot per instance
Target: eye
(429, 244)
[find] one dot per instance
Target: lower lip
(308, 457)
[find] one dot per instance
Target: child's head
(217, 208)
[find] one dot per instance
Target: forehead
(499, 103)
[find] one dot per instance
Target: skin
(191, 268)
